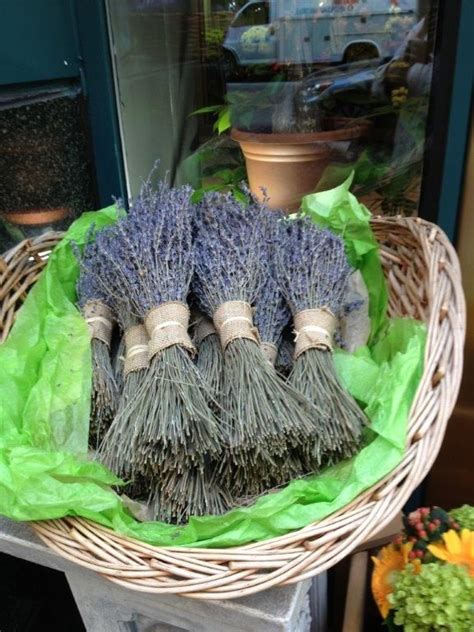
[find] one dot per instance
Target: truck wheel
(360, 51)
(229, 64)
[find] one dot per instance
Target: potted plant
(287, 152)
(289, 131)
(304, 134)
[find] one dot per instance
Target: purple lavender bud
(150, 253)
(312, 266)
(230, 256)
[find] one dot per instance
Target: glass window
(255, 14)
(288, 95)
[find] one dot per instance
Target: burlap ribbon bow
(136, 349)
(314, 329)
(100, 321)
(234, 320)
(167, 325)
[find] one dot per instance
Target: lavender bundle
(151, 255)
(313, 272)
(210, 359)
(260, 417)
(116, 450)
(271, 316)
(96, 309)
(131, 360)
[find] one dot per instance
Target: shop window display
(290, 95)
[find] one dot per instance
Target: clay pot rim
(36, 217)
(354, 130)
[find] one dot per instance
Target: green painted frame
(98, 83)
(449, 116)
(68, 40)
(458, 124)
(37, 42)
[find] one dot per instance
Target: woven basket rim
(213, 573)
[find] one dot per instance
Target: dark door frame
(98, 84)
(449, 116)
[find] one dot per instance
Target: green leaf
(197, 196)
(246, 119)
(209, 109)
(223, 122)
(240, 174)
(226, 175)
(240, 196)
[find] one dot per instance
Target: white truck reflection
(317, 31)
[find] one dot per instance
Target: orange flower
(457, 549)
(390, 560)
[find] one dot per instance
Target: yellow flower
(457, 549)
(390, 560)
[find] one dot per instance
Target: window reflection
(348, 81)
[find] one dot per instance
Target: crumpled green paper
(45, 376)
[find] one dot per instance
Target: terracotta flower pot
(36, 217)
(289, 166)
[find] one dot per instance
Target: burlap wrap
(100, 321)
(136, 349)
(204, 328)
(314, 329)
(167, 325)
(270, 351)
(233, 320)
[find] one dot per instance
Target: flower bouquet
(424, 580)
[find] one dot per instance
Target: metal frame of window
(98, 84)
(449, 116)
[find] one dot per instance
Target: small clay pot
(36, 217)
(15, 226)
(289, 166)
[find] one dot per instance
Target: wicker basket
(19, 269)
(423, 273)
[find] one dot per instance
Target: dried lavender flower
(284, 360)
(150, 254)
(312, 266)
(313, 271)
(96, 308)
(261, 417)
(271, 312)
(210, 358)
